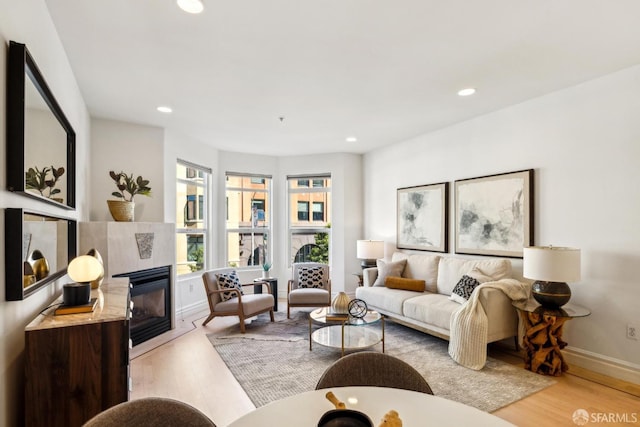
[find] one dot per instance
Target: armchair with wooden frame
(309, 286)
(242, 305)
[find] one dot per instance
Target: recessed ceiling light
(164, 109)
(466, 92)
(351, 139)
(191, 6)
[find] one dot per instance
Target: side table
(542, 341)
(273, 282)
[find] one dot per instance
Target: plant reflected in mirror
(36, 179)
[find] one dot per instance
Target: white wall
(29, 22)
(584, 144)
(131, 148)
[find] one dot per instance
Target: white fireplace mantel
(126, 246)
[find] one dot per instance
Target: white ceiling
(381, 70)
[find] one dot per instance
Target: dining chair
(226, 296)
(151, 411)
(309, 286)
(369, 368)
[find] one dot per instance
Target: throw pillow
(229, 281)
(406, 284)
(463, 289)
(385, 269)
(311, 277)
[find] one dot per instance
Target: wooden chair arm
(261, 283)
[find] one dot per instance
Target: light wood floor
(183, 365)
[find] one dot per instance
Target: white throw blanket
(469, 324)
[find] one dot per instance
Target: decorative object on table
(357, 308)
(128, 188)
(391, 419)
(39, 264)
(423, 217)
(265, 269)
(95, 284)
(145, 245)
(551, 267)
(36, 179)
(343, 417)
(28, 276)
(369, 251)
(82, 270)
(340, 304)
(494, 214)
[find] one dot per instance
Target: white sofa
(430, 311)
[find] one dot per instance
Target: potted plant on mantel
(128, 187)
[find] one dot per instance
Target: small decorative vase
(121, 210)
(340, 303)
(265, 274)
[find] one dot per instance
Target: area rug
(272, 361)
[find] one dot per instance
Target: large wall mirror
(38, 249)
(40, 139)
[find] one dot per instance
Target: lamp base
(368, 263)
(551, 294)
(76, 293)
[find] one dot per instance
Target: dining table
(413, 408)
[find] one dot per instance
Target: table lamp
(551, 267)
(82, 270)
(369, 251)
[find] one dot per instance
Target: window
(303, 211)
(248, 224)
(192, 189)
(309, 235)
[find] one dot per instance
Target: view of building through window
(192, 189)
(309, 218)
(248, 221)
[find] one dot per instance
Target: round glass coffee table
(350, 333)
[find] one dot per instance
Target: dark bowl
(345, 418)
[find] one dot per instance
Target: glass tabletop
(320, 316)
(567, 310)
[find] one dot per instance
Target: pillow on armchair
(228, 281)
(311, 277)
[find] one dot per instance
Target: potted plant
(128, 187)
(265, 269)
(36, 179)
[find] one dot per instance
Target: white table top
(415, 409)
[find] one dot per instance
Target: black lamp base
(551, 294)
(368, 263)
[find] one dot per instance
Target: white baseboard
(604, 365)
(192, 310)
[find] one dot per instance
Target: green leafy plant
(266, 266)
(36, 179)
(127, 184)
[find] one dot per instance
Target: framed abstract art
(494, 214)
(422, 217)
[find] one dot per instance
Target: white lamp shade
(369, 249)
(85, 268)
(551, 264)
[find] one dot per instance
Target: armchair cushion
(229, 280)
(311, 277)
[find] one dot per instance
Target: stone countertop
(113, 304)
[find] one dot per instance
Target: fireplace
(151, 296)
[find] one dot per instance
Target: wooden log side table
(273, 283)
(542, 340)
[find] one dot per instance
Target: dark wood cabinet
(77, 365)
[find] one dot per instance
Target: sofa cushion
(430, 308)
(420, 266)
(467, 283)
(415, 285)
(450, 270)
(388, 300)
(388, 269)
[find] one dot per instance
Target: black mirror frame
(14, 258)
(19, 64)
